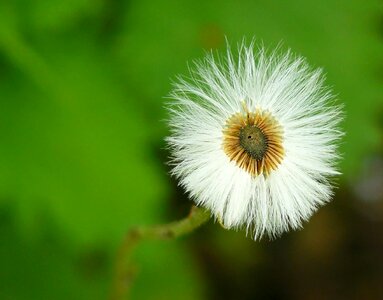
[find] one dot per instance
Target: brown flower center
(253, 140)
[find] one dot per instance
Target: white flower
(254, 139)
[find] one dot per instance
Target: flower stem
(124, 272)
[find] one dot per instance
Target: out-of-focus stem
(124, 271)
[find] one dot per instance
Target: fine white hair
(285, 86)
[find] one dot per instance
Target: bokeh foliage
(82, 86)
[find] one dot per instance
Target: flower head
(254, 139)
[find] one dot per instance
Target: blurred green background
(82, 156)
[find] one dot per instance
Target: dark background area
(82, 87)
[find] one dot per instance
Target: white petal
(296, 97)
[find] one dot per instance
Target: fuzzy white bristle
(294, 94)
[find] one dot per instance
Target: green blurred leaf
(85, 153)
(338, 36)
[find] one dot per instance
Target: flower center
(254, 141)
